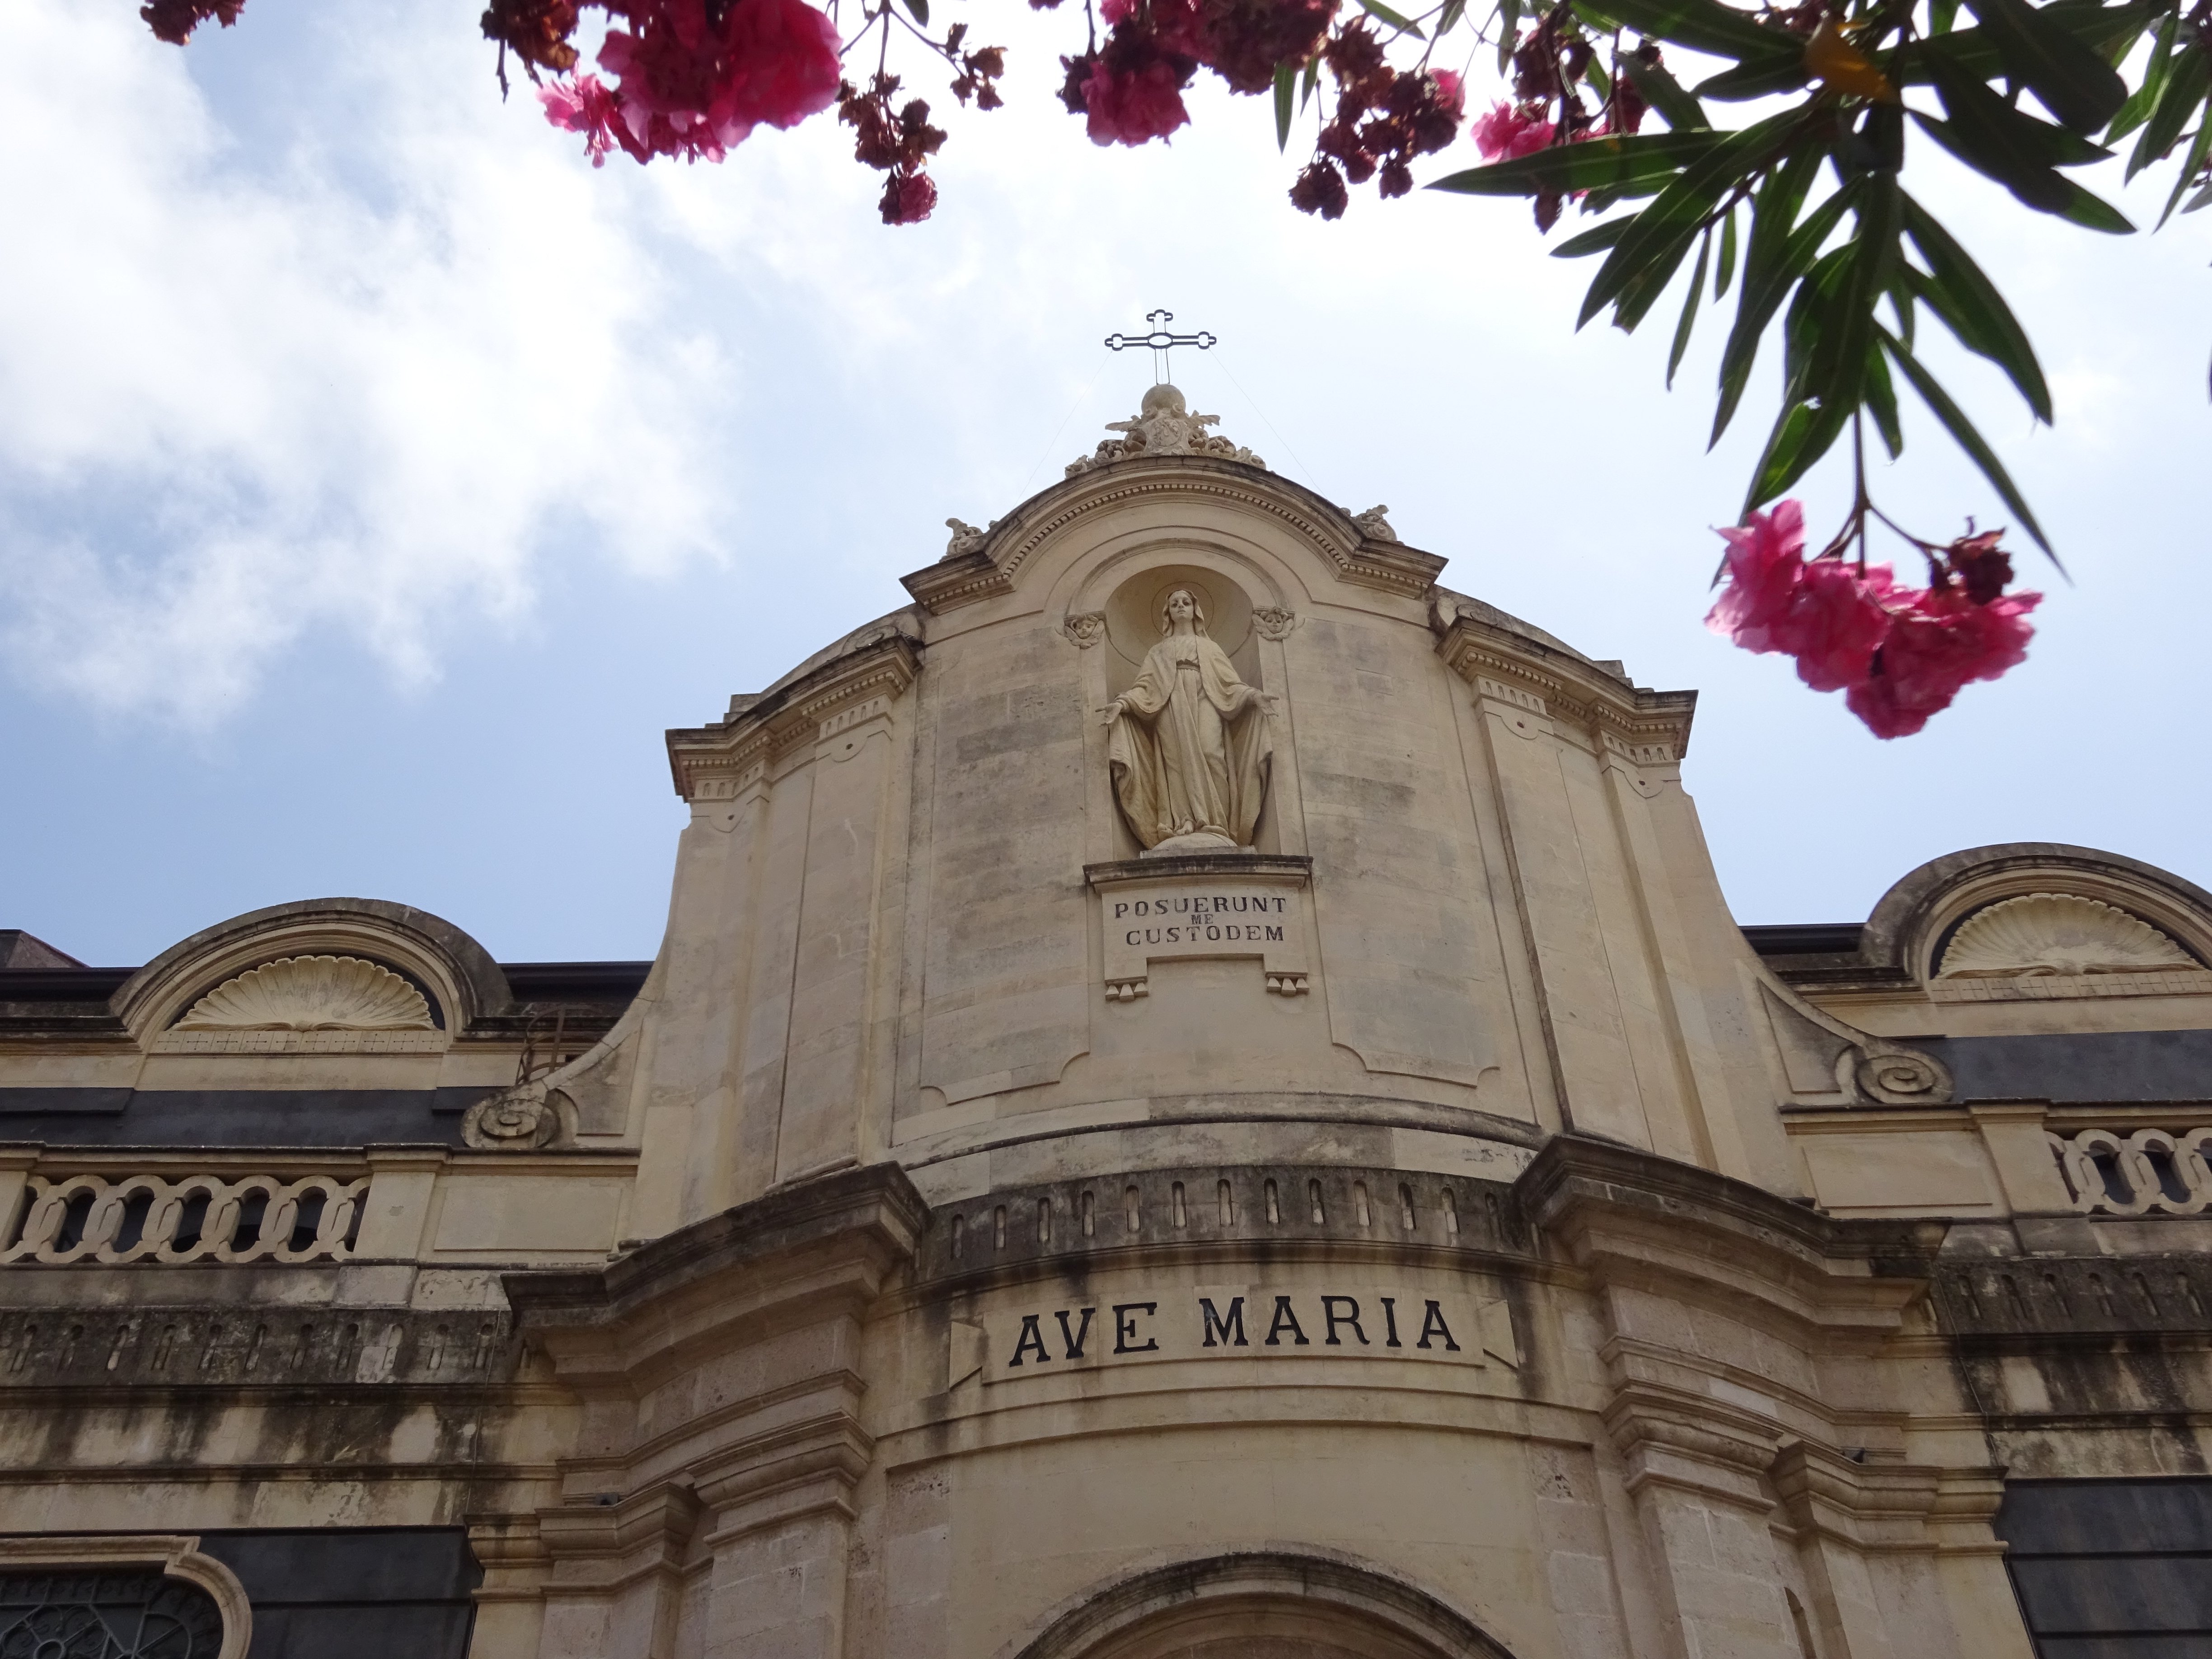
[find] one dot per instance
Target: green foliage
(1802, 215)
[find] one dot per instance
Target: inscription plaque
(1168, 910)
(1210, 1321)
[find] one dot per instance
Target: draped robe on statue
(1191, 752)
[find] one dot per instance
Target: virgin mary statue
(1189, 748)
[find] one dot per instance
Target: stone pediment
(1361, 549)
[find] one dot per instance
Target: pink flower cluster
(1385, 118)
(696, 84)
(1129, 91)
(1509, 132)
(1898, 654)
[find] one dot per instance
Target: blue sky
(377, 481)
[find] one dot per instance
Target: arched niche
(1260, 1604)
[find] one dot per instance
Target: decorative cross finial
(1160, 341)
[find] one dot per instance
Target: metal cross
(1160, 341)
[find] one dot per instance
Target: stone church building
(1200, 1097)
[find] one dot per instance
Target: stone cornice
(993, 569)
(1632, 1217)
(715, 763)
(1646, 728)
(805, 1252)
(1295, 866)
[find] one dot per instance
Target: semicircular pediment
(2044, 933)
(311, 993)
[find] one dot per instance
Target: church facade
(1200, 1097)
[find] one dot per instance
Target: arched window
(72, 1613)
(1270, 1604)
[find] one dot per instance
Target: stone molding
(310, 993)
(1061, 1224)
(2055, 934)
(174, 1555)
(1641, 727)
(1329, 1585)
(748, 1267)
(227, 1347)
(1621, 1214)
(993, 569)
(719, 763)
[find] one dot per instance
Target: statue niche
(1190, 748)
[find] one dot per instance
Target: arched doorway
(1260, 1604)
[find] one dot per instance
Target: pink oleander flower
(1939, 643)
(783, 63)
(908, 198)
(1827, 615)
(1135, 105)
(586, 104)
(1507, 132)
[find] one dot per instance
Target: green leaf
(1454, 10)
(1668, 224)
(2074, 83)
(1286, 92)
(2184, 91)
(1641, 292)
(1703, 26)
(1801, 435)
(2100, 27)
(1595, 241)
(1941, 14)
(1882, 402)
(2144, 98)
(1689, 311)
(2190, 168)
(1593, 74)
(1838, 362)
(1398, 20)
(1600, 164)
(1664, 94)
(1312, 79)
(2203, 199)
(1728, 256)
(1508, 32)
(1779, 252)
(1963, 434)
(921, 10)
(1997, 141)
(1779, 71)
(1900, 300)
(1972, 309)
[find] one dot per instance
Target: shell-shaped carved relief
(310, 993)
(2058, 933)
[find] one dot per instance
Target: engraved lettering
(1285, 1319)
(1328, 1312)
(1032, 1338)
(1125, 1326)
(1082, 1331)
(1275, 933)
(1433, 1324)
(1390, 1321)
(1216, 1325)
(1120, 911)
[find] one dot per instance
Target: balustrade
(198, 1217)
(2147, 1171)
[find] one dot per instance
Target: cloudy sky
(377, 481)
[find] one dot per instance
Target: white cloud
(247, 396)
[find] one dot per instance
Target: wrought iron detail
(105, 1615)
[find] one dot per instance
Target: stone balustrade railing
(2148, 1171)
(196, 1218)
